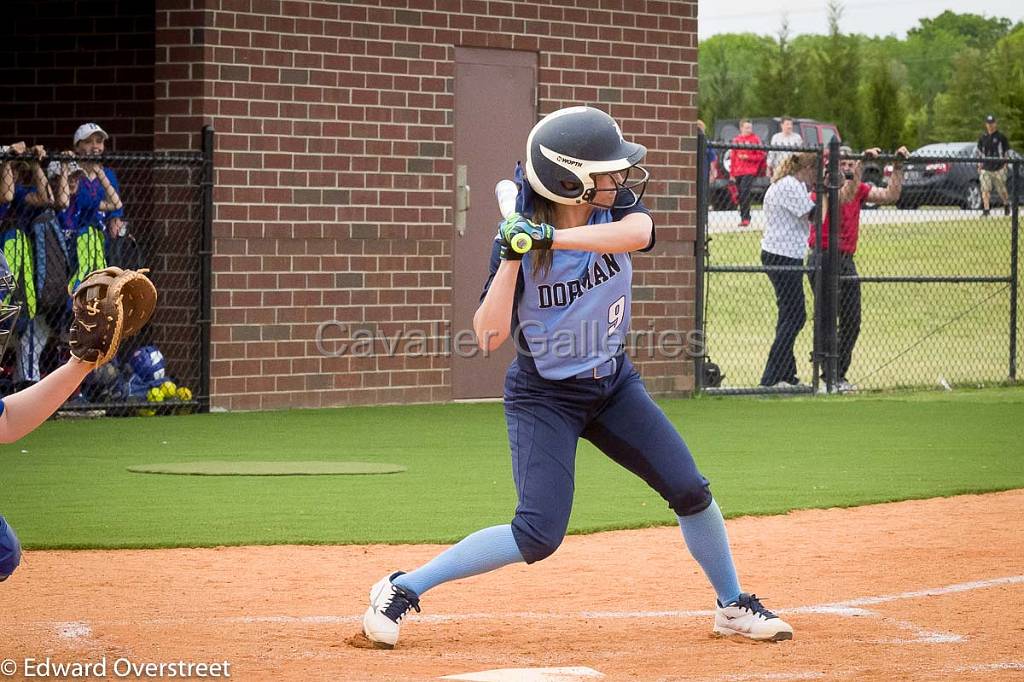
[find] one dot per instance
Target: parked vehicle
(813, 132)
(943, 183)
(722, 195)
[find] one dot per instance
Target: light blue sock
(483, 551)
(709, 544)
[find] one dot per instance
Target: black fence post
(206, 272)
(699, 251)
(832, 292)
(1016, 169)
(820, 192)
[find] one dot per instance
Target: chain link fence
(69, 215)
(920, 290)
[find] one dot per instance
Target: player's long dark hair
(543, 212)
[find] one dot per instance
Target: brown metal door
(495, 107)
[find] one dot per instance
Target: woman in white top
(787, 208)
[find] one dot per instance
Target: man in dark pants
(746, 165)
(849, 312)
(852, 196)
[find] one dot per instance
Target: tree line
(935, 85)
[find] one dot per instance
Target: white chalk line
(848, 608)
(948, 589)
(985, 667)
(563, 674)
(772, 676)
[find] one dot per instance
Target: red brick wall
(63, 63)
(334, 158)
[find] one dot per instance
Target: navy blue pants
(546, 419)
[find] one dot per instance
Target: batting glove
(542, 235)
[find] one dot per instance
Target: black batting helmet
(569, 147)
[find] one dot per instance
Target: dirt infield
(923, 590)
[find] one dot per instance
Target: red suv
(722, 194)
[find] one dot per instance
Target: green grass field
(912, 335)
(67, 484)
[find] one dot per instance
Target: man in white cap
(90, 139)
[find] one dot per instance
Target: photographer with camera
(853, 194)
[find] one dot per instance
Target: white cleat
(747, 617)
(388, 605)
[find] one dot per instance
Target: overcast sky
(871, 17)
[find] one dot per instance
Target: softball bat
(505, 192)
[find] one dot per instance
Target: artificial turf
(67, 485)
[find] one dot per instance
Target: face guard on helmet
(578, 155)
(9, 310)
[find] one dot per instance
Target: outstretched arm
(891, 194)
(632, 233)
(27, 409)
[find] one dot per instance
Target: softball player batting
(583, 214)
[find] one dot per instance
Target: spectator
(54, 233)
(98, 206)
(31, 195)
(6, 197)
(993, 173)
(785, 138)
(91, 140)
(29, 190)
(787, 208)
(852, 196)
(65, 176)
(68, 215)
(746, 165)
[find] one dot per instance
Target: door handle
(462, 198)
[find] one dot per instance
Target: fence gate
(924, 285)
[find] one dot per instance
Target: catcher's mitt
(109, 306)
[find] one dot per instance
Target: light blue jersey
(575, 316)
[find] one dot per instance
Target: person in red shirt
(745, 165)
(852, 196)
